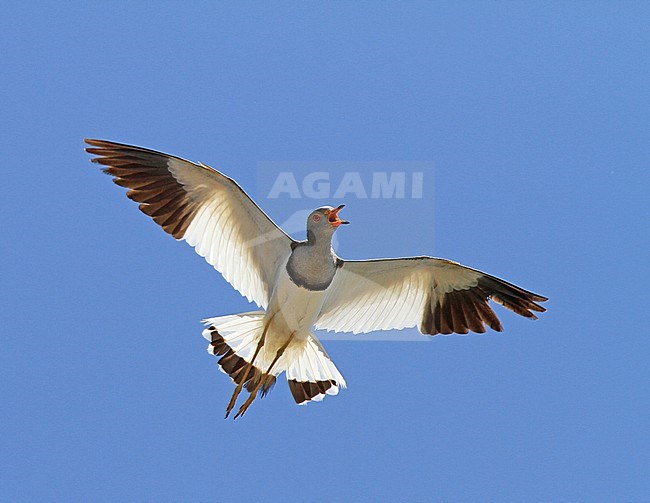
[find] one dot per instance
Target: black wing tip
(464, 311)
(100, 147)
(106, 148)
(94, 142)
(537, 308)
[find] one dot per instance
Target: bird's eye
(316, 218)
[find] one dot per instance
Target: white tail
(310, 372)
(235, 338)
(240, 331)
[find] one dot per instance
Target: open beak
(333, 217)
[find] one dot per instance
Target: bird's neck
(324, 242)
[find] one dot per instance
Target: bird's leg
(249, 366)
(253, 394)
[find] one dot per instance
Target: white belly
(293, 308)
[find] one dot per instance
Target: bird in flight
(297, 285)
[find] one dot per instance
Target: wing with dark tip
(438, 296)
(196, 203)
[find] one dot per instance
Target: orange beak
(333, 216)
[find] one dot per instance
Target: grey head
(322, 223)
(313, 263)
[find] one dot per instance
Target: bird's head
(325, 220)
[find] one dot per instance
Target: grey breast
(312, 267)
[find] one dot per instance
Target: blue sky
(532, 122)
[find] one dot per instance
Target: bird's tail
(310, 372)
(235, 338)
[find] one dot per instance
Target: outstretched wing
(196, 203)
(436, 295)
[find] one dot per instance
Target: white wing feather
(210, 211)
(435, 295)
